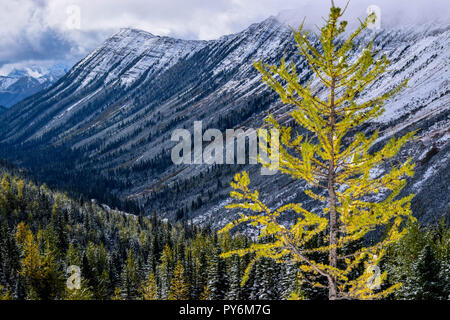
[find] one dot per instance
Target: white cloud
(38, 29)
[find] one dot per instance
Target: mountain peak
(269, 22)
(24, 81)
(134, 31)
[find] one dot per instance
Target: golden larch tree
(149, 288)
(179, 288)
(337, 163)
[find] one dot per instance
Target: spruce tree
(165, 270)
(234, 291)
(217, 279)
(104, 286)
(288, 280)
(423, 281)
(202, 277)
(130, 278)
(444, 277)
(443, 256)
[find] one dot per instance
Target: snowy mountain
(23, 82)
(113, 113)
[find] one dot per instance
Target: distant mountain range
(22, 83)
(111, 116)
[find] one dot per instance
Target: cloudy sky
(44, 31)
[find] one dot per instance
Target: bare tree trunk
(332, 285)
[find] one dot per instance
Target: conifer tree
(31, 261)
(444, 277)
(423, 282)
(234, 291)
(130, 277)
(179, 289)
(150, 264)
(149, 288)
(5, 294)
(418, 260)
(267, 280)
(9, 256)
(202, 275)
(335, 161)
(256, 284)
(206, 294)
(40, 270)
(443, 256)
(165, 270)
(288, 280)
(117, 294)
(73, 255)
(189, 273)
(104, 286)
(217, 280)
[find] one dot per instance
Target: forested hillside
(123, 256)
(105, 127)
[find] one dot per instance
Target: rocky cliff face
(115, 110)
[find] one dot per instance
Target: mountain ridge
(23, 82)
(116, 108)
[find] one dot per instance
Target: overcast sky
(45, 31)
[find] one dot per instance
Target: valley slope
(113, 113)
